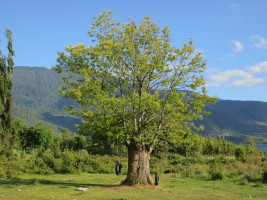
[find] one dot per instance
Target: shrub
(194, 171)
(2, 172)
(34, 181)
(48, 158)
(240, 153)
(253, 173)
(57, 165)
(40, 167)
(37, 136)
(68, 162)
(217, 175)
(216, 172)
(243, 181)
(82, 159)
(258, 185)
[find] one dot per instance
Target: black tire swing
(157, 179)
(118, 168)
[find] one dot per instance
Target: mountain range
(36, 99)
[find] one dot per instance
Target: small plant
(240, 153)
(217, 175)
(216, 172)
(2, 173)
(243, 181)
(35, 181)
(258, 185)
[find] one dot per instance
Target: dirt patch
(135, 187)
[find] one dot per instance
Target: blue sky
(232, 35)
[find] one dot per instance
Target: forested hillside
(36, 99)
(237, 120)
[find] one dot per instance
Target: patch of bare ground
(135, 187)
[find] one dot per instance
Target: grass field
(107, 186)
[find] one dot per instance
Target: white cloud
(238, 46)
(259, 67)
(262, 42)
(226, 76)
(212, 70)
(236, 77)
(234, 6)
(248, 82)
(232, 56)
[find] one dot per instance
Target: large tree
(6, 70)
(134, 87)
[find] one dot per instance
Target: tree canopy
(132, 84)
(6, 70)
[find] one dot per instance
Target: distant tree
(6, 70)
(250, 142)
(190, 144)
(71, 141)
(134, 87)
(37, 136)
(240, 153)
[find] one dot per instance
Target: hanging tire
(118, 168)
(157, 179)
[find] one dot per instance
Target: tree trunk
(138, 165)
(8, 111)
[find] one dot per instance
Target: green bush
(57, 165)
(37, 136)
(71, 141)
(40, 167)
(243, 181)
(217, 175)
(2, 172)
(240, 153)
(68, 162)
(216, 172)
(34, 181)
(258, 185)
(48, 157)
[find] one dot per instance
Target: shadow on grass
(19, 181)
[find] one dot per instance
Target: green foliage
(217, 175)
(72, 141)
(250, 142)
(195, 145)
(134, 88)
(132, 85)
(37, 136)
(240, 153)
(190, 145)
(216, 171)
(68, 162)
(217, 146)
(6, 70)
(39, 161)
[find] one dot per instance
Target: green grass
(106, 186)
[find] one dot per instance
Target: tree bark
(138, 165)
(8, 111)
